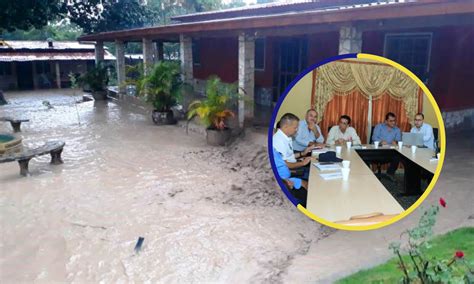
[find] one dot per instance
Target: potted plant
(96, 79)
(162, 87)
(214, 110)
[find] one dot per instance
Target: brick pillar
(147, 54)
(58, 75)
(350, 40)
(99, 52)
(246, 78)
(186, 54)
(120, 65)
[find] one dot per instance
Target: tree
(108, 15)
(27, 14)
(56, 30)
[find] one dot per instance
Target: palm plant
(96, 78)
(162, 87)
(215, 108)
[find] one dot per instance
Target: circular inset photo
(356, 142)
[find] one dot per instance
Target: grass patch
(443, 247)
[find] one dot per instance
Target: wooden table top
(363, 193)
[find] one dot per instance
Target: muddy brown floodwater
(207, 214)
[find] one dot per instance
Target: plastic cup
(345, 173)
(346, 164)
(400, 145)
(376, 144)
(348, 144)
(413, 149)
(338, 150)
(437, 155)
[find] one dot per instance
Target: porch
(263, 54)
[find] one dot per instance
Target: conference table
(338, 200)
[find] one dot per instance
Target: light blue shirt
(387, 134)
(428, 136)
(304, 136)
(283, 170)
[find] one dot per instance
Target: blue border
(277, 108)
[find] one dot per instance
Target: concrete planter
(163, 117)
(216, 137)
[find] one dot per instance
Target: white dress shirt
(427, 131)
(335, 133)
(284, 145)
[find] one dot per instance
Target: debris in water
(138, 246)
(47, 104)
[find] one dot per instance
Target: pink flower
(442, 202)
(459, 254)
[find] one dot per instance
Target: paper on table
(328, 167)
(320, 151)
(329, 176)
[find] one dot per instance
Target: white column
(147, 54)
(58, 75)
(246, 79)
(186, 54)
(99, 52)
(120, 65)
(350, 40)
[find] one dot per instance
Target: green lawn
(443, 247)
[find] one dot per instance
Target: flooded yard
(207, 214)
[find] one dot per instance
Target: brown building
(264, 47)
(43, 64)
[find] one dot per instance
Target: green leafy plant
(215, 108)
(96, 78)
(418, 267)
(162, 87)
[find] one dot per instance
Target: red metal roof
(329, 15)
(274, 8)
(34, 44)
(41, 56)
(23, 50)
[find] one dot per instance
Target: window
(410, 50)
(260, 54)
(5, 68)
(196, 52)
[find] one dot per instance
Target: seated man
(282, 141)
(309, 133)
(342, 133)
(388, 133)
(425, 129)
(296, 186)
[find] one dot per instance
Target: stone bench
(16, 123)
(23, 157)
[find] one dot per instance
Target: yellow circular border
(442, 141)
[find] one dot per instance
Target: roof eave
(390, 11)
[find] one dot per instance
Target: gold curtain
(371, 79)
(386, 103)
(354, 105)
